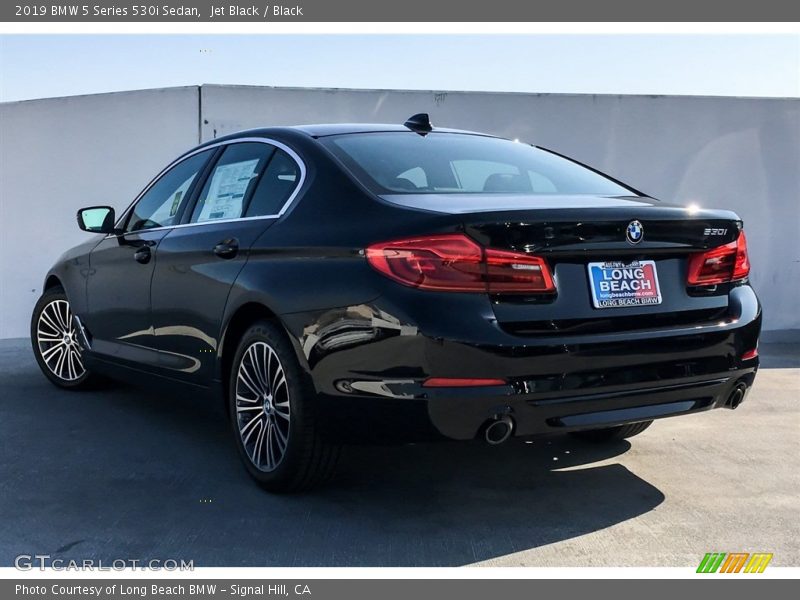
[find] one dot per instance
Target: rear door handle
(143, 255)
(227, 248)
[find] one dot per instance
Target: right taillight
(721, 264)
(456, 263)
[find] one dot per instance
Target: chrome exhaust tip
(498, 430)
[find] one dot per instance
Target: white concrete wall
(60, 154)
(744, 154)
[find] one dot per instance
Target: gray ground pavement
(122, 473)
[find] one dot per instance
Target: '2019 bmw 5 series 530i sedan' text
(379, 282)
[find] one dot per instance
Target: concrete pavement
(123, 473)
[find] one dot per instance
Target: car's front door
(199, 261)
(121, 268)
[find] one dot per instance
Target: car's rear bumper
(463, 414)
(371, 384)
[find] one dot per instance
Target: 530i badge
(400, 282)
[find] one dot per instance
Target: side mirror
(97, 219)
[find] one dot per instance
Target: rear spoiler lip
(491, 203)
(553, 207)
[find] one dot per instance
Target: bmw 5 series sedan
(375, 283)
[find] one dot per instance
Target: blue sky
(36, 66)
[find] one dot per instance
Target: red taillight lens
(455, 263)
(513, 272)
(750, 354)
(720, 265)
(444, 262)
(741, 268)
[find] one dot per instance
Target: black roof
(325, 129)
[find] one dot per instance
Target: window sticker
(227, 189)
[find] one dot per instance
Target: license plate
(618, 284)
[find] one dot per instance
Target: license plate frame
(618, 284)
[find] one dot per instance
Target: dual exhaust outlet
(499, 428)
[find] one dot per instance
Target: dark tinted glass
(276, 185)
(448, 163)
(232, 181)
(162, 204)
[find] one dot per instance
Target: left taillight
(722, 264)
(456, 263)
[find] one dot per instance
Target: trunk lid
(573, 232)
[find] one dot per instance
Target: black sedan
(337, 283)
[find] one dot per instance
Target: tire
(55, 342)
(613, 434)
(281, 446)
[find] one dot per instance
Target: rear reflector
(750, 354)
(456, 263)
(720, 265)
(458, 382)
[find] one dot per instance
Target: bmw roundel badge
(634, 232)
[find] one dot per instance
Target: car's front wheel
(55, 342)
(270, 402)
(613, 434)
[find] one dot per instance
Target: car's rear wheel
(55, 342)
(270, 402)
(613, 434)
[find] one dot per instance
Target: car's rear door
(118, 318)
(243, 194)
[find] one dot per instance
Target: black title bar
(198, 11)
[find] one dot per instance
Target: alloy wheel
(262, 406)
(57, 340)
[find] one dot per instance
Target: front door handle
(227, 248)
(143, 255)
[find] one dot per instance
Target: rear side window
(232, 182)
(453, 163)
(276, 185)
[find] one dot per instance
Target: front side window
(161, 205)
(453, 163)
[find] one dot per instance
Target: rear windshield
(453, 163)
